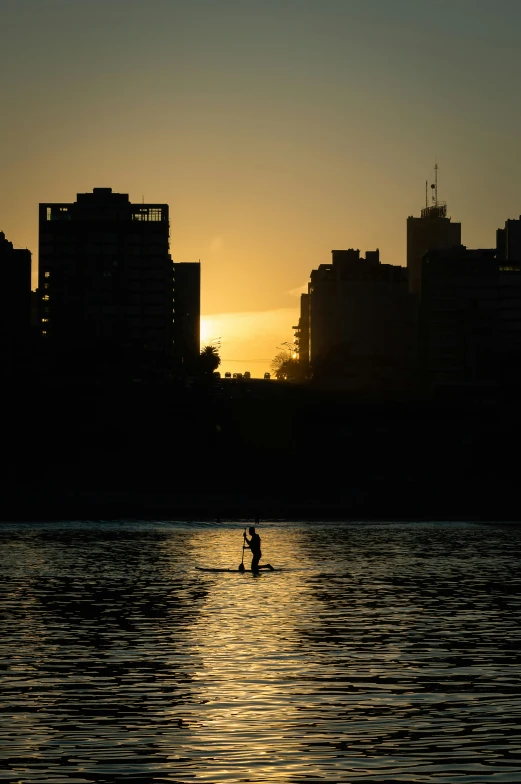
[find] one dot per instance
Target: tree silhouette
(209, 360)
(286, 368)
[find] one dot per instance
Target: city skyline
(275, 132)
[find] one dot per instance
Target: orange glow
(267, 163)
(249, 340)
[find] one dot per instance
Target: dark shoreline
(273, 451)
(372, 504)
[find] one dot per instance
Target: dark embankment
(263, 449)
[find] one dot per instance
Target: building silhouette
(362, 328)
(301, 332)
(459, 317)
(508, 242)
(470, 320)
(508, 254)
(105, 284)
(15, 318)
(187, 313)
(432, 231)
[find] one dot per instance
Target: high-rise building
(106, 280)
(301, 335)
(470, 319)
(15, 318)
(187, 312)
(432, 231)
(459, 314)
(361, 322)
(508, 241)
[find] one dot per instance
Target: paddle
(241, 565)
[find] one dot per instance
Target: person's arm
(247, 541)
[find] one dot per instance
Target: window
(148, 214)
(44, 331)
(44, 320)
(46, 285)
(47, 274)
(46, 297)
(55, 213)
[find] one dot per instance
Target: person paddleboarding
(255, 546)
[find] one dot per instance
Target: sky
(276, 130)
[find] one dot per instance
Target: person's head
(251, 530)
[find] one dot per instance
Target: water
(381, 653)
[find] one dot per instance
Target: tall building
(508, 254)
(510, 323)
(432, 231)
(301, 335)
(361, 323)
(508, 241)
(187, 312)
(470, 319)
(459, 314)
(15, 314)
(105, 280)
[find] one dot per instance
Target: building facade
(459, 317)
(432, 231)
(301, 332)
(510, 324)
(361, 323)
(105, 280)
(187, 313)
(508, 241)
(15, 318)
(470, 317)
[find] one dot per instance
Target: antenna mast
(437, 209)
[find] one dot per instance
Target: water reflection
(383, 652)
(95, 688)
(249, 647)
(418, 652)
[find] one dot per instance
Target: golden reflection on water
(377, 652)
(246, 640)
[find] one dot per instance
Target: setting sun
(248, 341)
(208, 330)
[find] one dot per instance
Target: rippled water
(381, 652)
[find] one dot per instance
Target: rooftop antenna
(426, 192)
(437, 209)
(434, 186)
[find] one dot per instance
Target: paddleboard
(233, 571)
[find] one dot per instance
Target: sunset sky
(276, 130)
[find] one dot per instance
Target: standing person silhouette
(255, 546)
